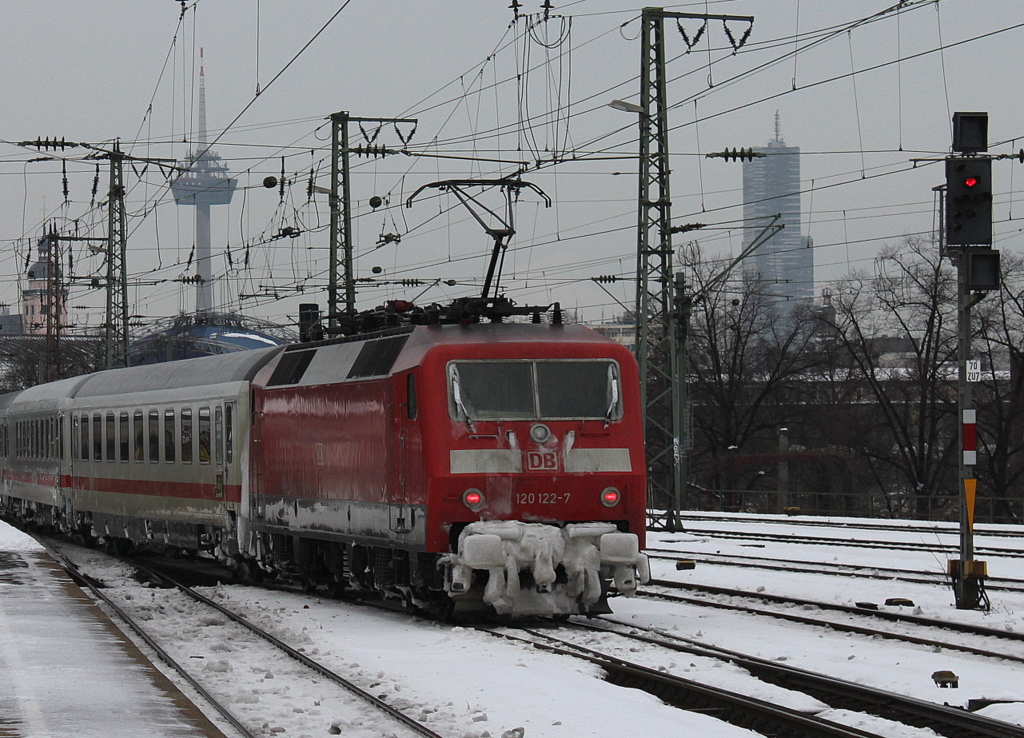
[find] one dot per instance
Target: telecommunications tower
(205, 183)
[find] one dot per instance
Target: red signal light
(610, 497)
(473, 499)
(970, 181)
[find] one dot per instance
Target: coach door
(403, 412)
(223, 447)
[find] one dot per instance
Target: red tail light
(473, 499)
(610, 497)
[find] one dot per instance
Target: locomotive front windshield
(534, 390)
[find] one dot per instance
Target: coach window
(186, 436)
(228, 435)
(218, 433)
(204, 435)
(138, 436)
(111, 440)
(85, 438)
(125, 437)
(154, 435)
(169, 436)
(97, 437)
(74, 437)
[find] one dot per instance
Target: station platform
(65, 668)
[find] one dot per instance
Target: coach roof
(203, 371)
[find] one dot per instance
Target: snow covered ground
(467, 684)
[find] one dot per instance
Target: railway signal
(968, 201)
(968, 240)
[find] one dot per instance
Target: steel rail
(828, 568)
(745, 711)
(979, 529)
(341, 681)
(83, 581)
(860, 611)
(817, 684)
(1011, 553)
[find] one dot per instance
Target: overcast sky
(118, 69)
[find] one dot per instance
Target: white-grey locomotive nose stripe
(486, 461)
(510, 461)
(584, 460)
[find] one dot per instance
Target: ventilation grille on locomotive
(377, 357)
(291, 367)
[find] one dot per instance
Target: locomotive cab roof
(400, 349)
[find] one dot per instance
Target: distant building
(10, 325)
(771, 185)
(621, 330)
(44, 298)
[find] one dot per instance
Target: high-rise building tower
(206, 183)
(771, 185)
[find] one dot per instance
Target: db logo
(542, 461)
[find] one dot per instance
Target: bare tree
(746, 359)
(910, 298)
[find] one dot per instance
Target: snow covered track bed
(275, 686)
(801, 610)
(461, 683)
(804, 703)
(737, 708)
(988, 636)
(139, 631)
(1004, 584)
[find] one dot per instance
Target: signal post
(968, 242)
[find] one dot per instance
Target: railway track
(96, 589)
(763, 716)
(738, 709)
(950, 548)
(316, 669)
(932, 529)
(837, 693)
(1006, 637)
(795, 566)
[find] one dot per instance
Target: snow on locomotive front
(535, 467)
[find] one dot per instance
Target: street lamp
(626, 107)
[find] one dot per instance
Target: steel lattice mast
(116, 325)
(659, 339)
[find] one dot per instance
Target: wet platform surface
(66, 670)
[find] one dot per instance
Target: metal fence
(873, 505)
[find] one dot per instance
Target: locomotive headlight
(540, 433)
(610, 497)
(473, 499)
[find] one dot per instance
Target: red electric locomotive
(454, 464)
(498, 463)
